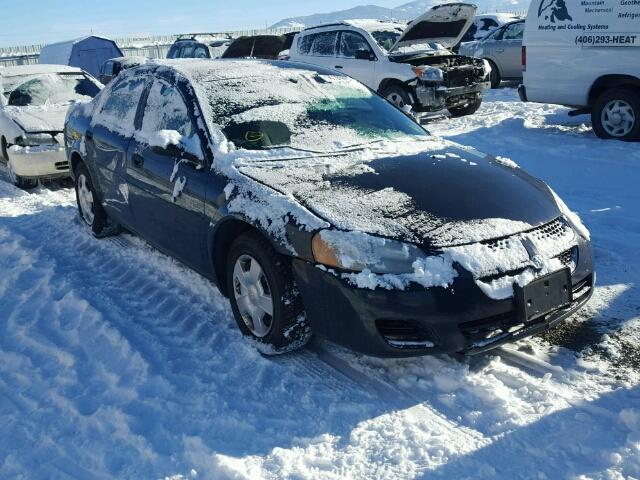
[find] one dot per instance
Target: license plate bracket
(544, 295)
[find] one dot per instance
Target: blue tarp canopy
(88, 53)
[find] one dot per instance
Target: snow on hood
(39, 119)
(444, 24)
(431, 193)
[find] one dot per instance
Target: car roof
(198, 70)
(37, 70)
(369, 25)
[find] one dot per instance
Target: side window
(514, 32)
(187, 51)
(120, 103)
(107, 68)
(166, 110)
(324, 44)
(350, 43)
(304, 44)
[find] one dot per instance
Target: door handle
(500, 50)
(138, 161)
(339, 67)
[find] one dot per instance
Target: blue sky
(42, 21)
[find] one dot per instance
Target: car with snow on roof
(33, 104)
(408, 65)
(317, 207)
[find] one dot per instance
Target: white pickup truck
(586, 54)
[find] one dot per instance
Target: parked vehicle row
(318, 208)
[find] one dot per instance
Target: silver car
(502, 49)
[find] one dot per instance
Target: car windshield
(304, 110)
(54, 89)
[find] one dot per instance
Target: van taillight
(524, 59)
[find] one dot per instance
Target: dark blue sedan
(317, 207)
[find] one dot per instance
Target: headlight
(34, 139)
(429, 74)
(357, 251)
(572, 218)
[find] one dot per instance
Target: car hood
(435, 198)
(47, 119)
(444, 24)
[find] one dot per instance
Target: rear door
(107, 141)
(323, 49)
(362, 70)
(167, 193)
(510, 50)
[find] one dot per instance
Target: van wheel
(91, 211)
(496, 79)
(464, 110)
(616, 115)
(265, 301)
(397, 95)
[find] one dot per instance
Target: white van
(586, 54)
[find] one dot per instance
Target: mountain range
(405, 12)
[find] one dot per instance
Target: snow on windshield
(53, 89)
(302, 109)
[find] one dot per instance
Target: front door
(168, 193)
(362, 70)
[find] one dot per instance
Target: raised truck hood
(444, 24)
(435, 199)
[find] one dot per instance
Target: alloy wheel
(396, 99)
(253, 296)
(85, 198)
(618, 118)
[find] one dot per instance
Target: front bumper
(420, 321)
(42, 161)
(433, 97)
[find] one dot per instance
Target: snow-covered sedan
(34, 100)
(318, 208)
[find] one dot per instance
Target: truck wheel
(397, 95)
(468, 109)
(265, 301)
(91, 211)
(616, 114)
(496, 79)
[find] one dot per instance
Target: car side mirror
(364, 54)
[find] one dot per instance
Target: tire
(616, 115)
(468, 109)
(496, 78)
(3, 150)
(91, 212)
(268, 276)
(398, 96)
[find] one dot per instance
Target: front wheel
(468, 109)
(265, 301)
(91, 211)
(616, 115)
(398, 96)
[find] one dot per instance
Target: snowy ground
(116, 362)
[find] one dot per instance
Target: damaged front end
(461, 82)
